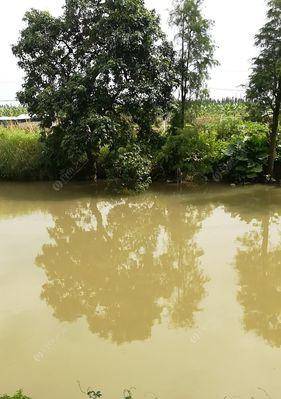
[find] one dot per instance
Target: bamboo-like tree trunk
(182, 76)
(92, 166)
(274, 133)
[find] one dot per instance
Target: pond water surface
(174, 292)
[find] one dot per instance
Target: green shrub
(247, 157)
(192, 152)
(225, 128)
(20, 155)
(229, 148)
(18, 395)
(230, 128)
(130, 169)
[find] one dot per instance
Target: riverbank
(220, 144)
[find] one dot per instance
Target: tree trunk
(182, 112)
(92, 166)
(182, 77)
(273, 134)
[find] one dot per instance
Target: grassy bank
(20, 154)
(219, 142)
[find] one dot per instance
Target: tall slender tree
(265, 79)
(195, 53)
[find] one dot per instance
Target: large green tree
(92, 74)
(195, 53)
(265, 79)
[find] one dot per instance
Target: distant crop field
(212, 111)
(9, 110)
(223, 108)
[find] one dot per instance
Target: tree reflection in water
(259, 264)
(260, 278)
(121, 263)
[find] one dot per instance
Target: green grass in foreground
(20, 154)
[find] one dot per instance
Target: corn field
(9, 110)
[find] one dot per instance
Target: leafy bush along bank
(217, 145)
(239, 153)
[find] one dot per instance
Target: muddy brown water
(174, 292)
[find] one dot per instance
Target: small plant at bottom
(18, 395)
(92, 394)
(128, 394)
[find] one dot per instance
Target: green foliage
(93, 71)
(130, 169)
(202, 113)
(233, 148)
(18, 395)
(232, 128)
(216, 110)
(259, 113)
(100, 77)
(191, 151)
(9, 110)
(265, 80)
(247, 157)
(195, 53)
(94, 394)
(20, 155)
(226, 128)
(217, 141)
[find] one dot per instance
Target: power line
(210, 88)
(9, 82)
(224, 89)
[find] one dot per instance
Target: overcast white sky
(236, 23)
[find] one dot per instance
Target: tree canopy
(94, 72)
(265, 80)
(195, 54)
